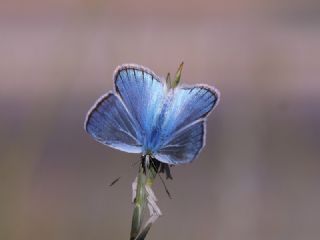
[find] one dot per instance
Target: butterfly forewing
(188, 105)
(143, 94)
(109, 123)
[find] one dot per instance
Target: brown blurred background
(258, 177)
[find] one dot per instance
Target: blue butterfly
(146, 115)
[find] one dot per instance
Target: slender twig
(143, 196)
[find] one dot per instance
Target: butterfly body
(145, 115)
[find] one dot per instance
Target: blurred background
(257, 178)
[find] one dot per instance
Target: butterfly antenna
(114, 181)
(163, 183)
(118, 178)
(165, 187)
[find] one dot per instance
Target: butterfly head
(148, 152)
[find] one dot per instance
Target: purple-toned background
(258, 177)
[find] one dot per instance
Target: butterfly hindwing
(109, 123)
(184, 145)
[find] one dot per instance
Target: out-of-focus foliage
(257, 178)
